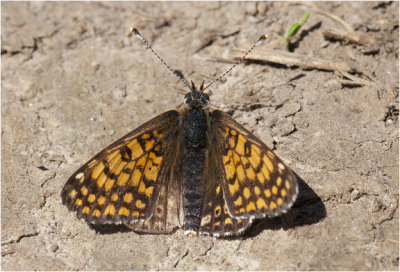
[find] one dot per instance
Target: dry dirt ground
(73, 82)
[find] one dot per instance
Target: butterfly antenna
(259, 41)
(178, 74)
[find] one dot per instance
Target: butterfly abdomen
(194, 154)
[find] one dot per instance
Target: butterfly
(193, 168)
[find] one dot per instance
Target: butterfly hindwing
(168, 213)
(255, 181)
(215, 219)
(122, 183)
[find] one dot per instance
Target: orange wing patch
(216, 218)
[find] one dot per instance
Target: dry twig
(348, 34)
(293, 59)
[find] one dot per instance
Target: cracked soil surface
(73, 82)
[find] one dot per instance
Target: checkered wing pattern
(168, 213)
(216, 219)
(255, 182)
(124, 182)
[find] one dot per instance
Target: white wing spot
(79, 175)
(281, 166)
(205, 220)
(190, 233)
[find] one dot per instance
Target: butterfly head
(197, 99)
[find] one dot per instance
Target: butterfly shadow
(307, 210)
(109, 228)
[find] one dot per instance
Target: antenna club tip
(135, 31)
(261, 39)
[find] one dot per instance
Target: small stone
(289, 108)
(284, 128)
(299, 122)
(54, 248)
(376, 205)
(332, 85)
(355, 194)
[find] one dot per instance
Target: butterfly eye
(205, 98)
(188, 98)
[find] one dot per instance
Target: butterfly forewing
(256, 182)
(122, 183)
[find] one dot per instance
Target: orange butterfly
(193, 168)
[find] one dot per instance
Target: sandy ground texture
(73, 82)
